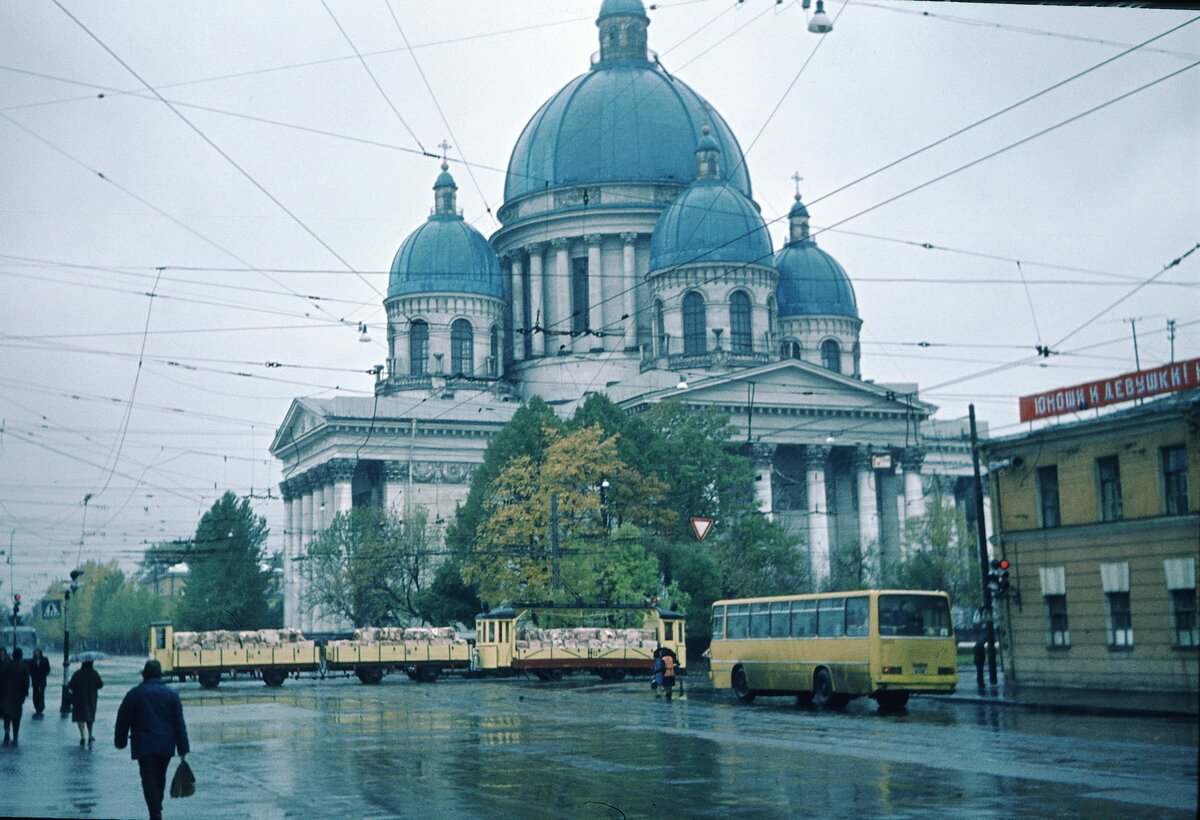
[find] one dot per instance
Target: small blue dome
(811, 282)
(611, 7)
(709, 222)
(798, 209)
(623, 121)
(446, 255)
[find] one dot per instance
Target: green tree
(228, 584)
(942, 555)
(850, 566)
(512, 556)
(371, 566)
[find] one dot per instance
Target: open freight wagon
(532, 638)
(423, 653)
(271, 654)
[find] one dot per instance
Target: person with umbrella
(85, 689)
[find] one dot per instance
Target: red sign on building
(1170, 378)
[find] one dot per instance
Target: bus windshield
(914, 616)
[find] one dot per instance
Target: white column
(289, 566)
(306, 532)
(517, 289)
(868, 506)
(818, 513)
(395, 475)
(914, 490)
(763, 463)
(329, 509)
(537, 294)
(901, 515)
(629, 286)
(595, 295)
(560, 287)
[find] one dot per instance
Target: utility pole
(554, 542)
(981, 536)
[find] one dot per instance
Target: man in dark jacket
(39, 671)
(152, 713)
(16, 689)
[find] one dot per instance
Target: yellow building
(1100, 521)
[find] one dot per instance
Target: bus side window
(780, 621)
(737, 621)
(858, 616)
(669, 631)
(718, 623)
(760, 620)
(804, 619)
(831, 618)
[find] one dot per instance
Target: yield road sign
(701, 526)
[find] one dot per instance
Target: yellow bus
(831, 647)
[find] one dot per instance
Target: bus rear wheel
(741, 686)
(823, 696)
(891, 701)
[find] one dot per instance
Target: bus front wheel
(741, 686)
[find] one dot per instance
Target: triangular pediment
(302, 416)
(793, 385)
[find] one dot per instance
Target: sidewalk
(1076, 701)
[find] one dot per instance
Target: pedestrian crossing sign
(51, 610)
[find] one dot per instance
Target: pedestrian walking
(16, 689)
(39, 672)
(980, 657)
(668, 673)
(85, 689)
(656, 680)
(153, 716)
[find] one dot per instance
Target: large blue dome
(709, 222)
(811, 282)
(623, 121)
(446, 255)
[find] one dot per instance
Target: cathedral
(633, 261)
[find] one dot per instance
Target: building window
(579, 295)
(1181, 587)
(1114, 580)
(494, 362)
(660, 328)
(1108, 480)
(1057, 633)
(1054, 594)
(1174, 480)
(462, 343)
(772, 317)
(418, 348)
(1047, 486)
(695, 328)
(791, 350)
(831, 356)
(741, 337)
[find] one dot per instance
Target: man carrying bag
(153, 715)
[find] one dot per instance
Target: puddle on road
(200, 714)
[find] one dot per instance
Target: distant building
(1100, 520)
(632, 260)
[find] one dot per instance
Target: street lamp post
(65, 706)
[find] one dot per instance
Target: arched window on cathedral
(831, 356)
(772, 316)
(418, 347)
(791, 350)
(695, 328)
(494, 360)
(462, 342)
(741, 337)
(660, 328)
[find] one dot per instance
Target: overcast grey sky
(1090, 209)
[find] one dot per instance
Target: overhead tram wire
(972, 21)
(446, 122)
(272, 69)
(371, 74)
(152, 206)
(219, 150)
(1003, 111)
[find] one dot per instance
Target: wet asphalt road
(581, 748)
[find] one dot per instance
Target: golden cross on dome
(796, 176)
(445, 146)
